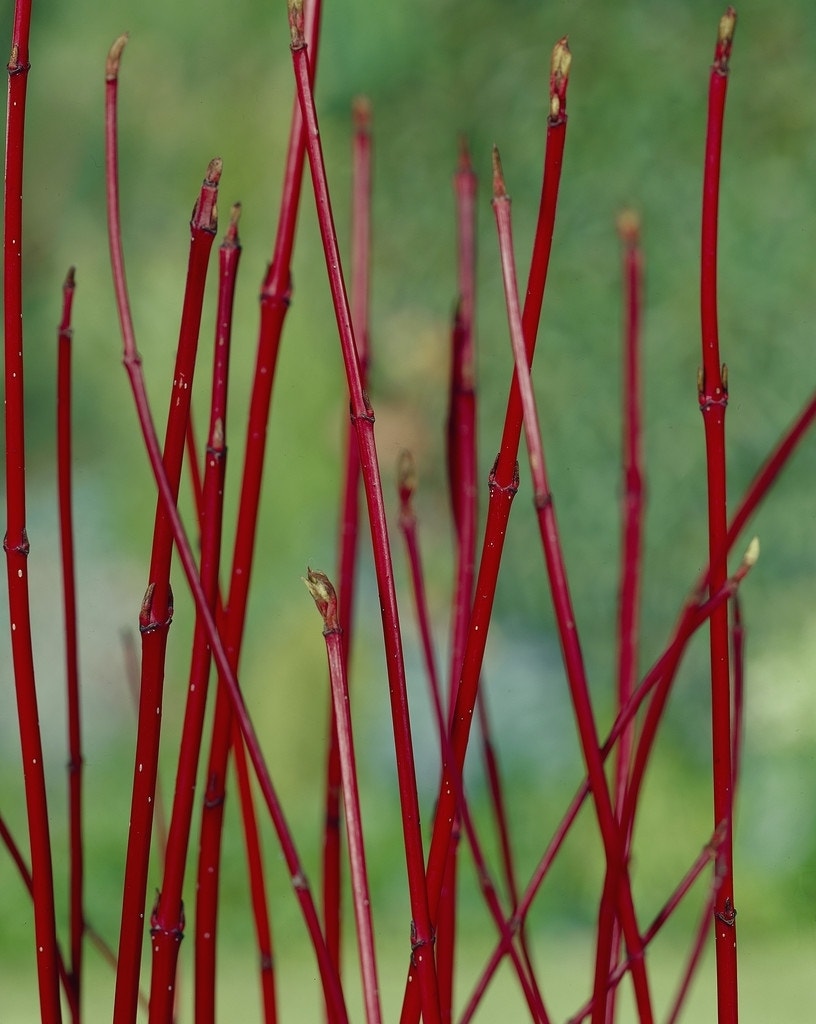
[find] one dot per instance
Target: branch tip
(70, 280)
(115, 57)
(361, 113)
(559, 77)
(465, 162)
(296, 29)
(214, 169)
(628, 224)
(406, 474)
(751, 555)
(230, 240)
(725, 40)
(323, 594)
(499, 188)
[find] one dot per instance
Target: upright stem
(15, 542)
(75, 760)
(350, 509)
(567, 631)
(713, 398)
(632, 540)
(167, 921)
(300, 885)
(325, 599)
(157, 607)
(462, 462)
(363, 420)
(503, 484)
(274, 303)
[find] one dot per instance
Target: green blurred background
(210, 80)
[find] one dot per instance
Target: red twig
(75, 760)
(157, 607)
(503, 485)
(632, 541)
(462, 462)
(331, 987)
(167, 921)
(706, 855)
(632, 547)
(406, 483)
(274, 303)
(15, 542)
(568, 633)
(363, 420)
(694, 614)
(325, 599)
(713, 398)
(350, 506)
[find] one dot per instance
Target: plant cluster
(218, 730)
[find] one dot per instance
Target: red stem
(462, 455)
(713, 398)
(462, 461)
(503, 484)
(568, 633)
(706, 855)
(274, 303)
(24, 872)
(15, 542)
(349, 516)
(325, 599)
(508, 929)
(157, 607)
(363, 420)
(132, 362)
(632, 546)
(75, 759)
(704, 928)
(167, 921)
(632, 540)
(694, 614)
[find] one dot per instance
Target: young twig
(350, 509)
(331, 986)
(167, 920)
(75, 759)
(568, 636)
(15, 541)
(325, 599)
(274, 303)
(503, 484)
(713, 398)
(363, 420)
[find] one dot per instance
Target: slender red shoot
(503, 486)
(331, 986)
(350, 505)
(325, 598)
(167, 920)
(15, 541)
(275, 297)
(568, 636)
(713, 399)
(362, 419)
(75, 759)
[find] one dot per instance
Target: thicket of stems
(616, 765)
